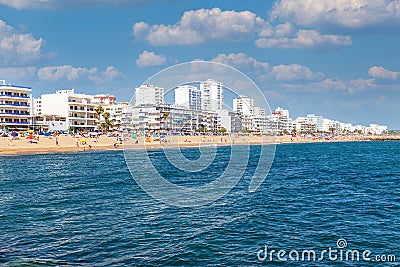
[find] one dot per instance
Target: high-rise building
(244, 105)
(212, 95)
(148, 94)
(14, 106)
(188, 96)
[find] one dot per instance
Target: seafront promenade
(63, 143)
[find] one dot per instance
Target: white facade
(188, 96)
(212, 95)
(332, 126)
(279, 121)
(317, 120)
(303, 125)
(244, 105)
(171, 118)
(14, 106)
(147, 94)
(78, 109)
(36, 106)
(117, 111)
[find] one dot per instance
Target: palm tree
(107, 123)
(99, 110)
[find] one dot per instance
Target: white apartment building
(171, 118)
(317, 120)
(303, 125)
(188, 96)
(14, 106)
(147, 94)
(244, 105)
(231, 121)
(279, 121)
(260, 122)
(117, 111)
(78, 109)
(332, 126)
(212, 95)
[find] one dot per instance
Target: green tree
(99, 110)
(222, 130)
(107, 123)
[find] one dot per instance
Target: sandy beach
(61, 143)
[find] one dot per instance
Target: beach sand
(74, 144)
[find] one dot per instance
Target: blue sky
(336, 58)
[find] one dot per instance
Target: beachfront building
(148, 94)
(14, 106)
(244, 105)
(117, 110)
(303, 125)
(172, 119)
(117, 113)
(279, 121)
(259, 120)
(77, 109)
(332, 126)
(231, 121)
(212, 95)
(188, 96)
(317, 120)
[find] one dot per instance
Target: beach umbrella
(15, 134)
(30, 137)
(134, 136)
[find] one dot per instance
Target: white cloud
(70, 73)
(301, 39)
(351, 14)
(55, 73)
(27, 4)
(17, 47)
(294, 72)
(346, 86)
(110, 74)
(150, 59)
(16, 74)
(263, 70)
(379, 72)
(242, 61)
(198, 26)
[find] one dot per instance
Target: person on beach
(56, 141)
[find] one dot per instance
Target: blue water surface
(84, 209)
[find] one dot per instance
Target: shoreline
(69, 144)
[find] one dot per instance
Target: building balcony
(77, 111)
(13, 97)
(14, 105)
(12, 114)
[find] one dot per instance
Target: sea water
(85, 209)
